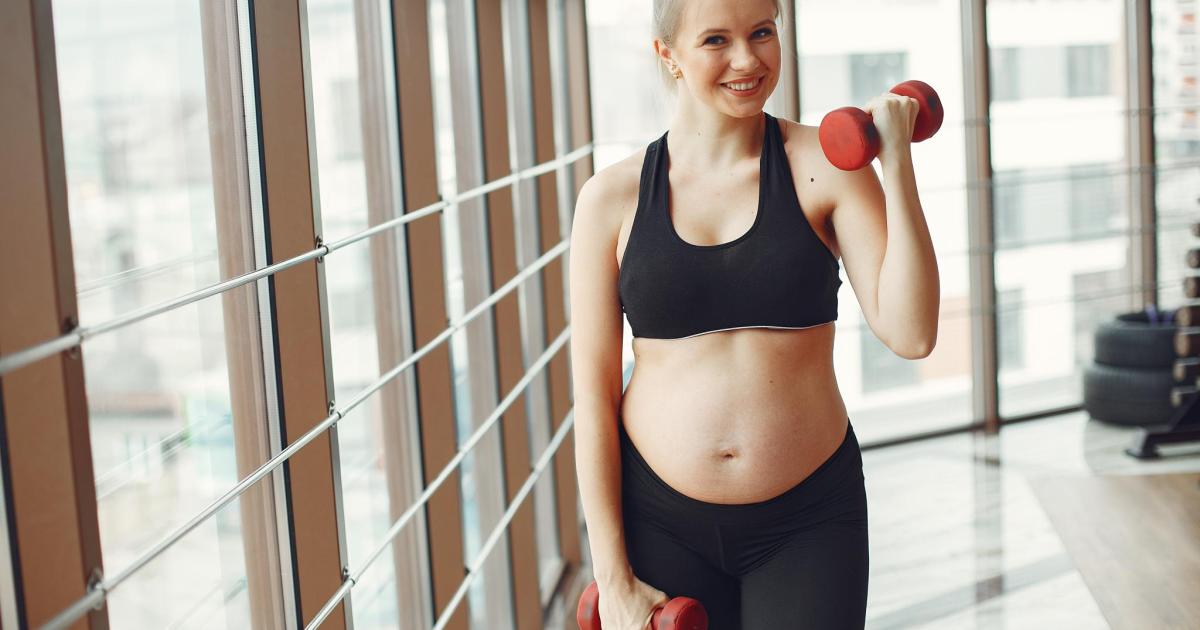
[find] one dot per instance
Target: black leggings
(797, 560)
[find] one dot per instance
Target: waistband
(828, 478)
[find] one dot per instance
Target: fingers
(878, 101)
(649, 618)
(663, 600)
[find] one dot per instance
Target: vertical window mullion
(980, 236)
(297, 306)
(51, 522)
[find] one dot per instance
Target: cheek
(714, 71)
(773, 56)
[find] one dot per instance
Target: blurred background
(1088, 186)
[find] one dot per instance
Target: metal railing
(100, 589)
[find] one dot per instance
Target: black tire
(1131, 340)
(1128, 396)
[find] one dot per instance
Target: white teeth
(742, 86)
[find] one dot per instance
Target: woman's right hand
(627, 605)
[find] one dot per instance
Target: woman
(728, 471)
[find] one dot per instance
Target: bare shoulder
(608, 199)
(816, 180)
(614, 184)
(804, 150)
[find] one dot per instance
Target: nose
(743, 58)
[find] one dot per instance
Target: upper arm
(596, 318)
(860, 222)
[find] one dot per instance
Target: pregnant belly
(732, 437)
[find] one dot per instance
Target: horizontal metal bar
(478, 191)
(1040, 176)
(73, 338)
(101, 589)
(449, 468)
(949, 315)
(1040, 114)
(496, 296)
(21, 358)
(76, 337)
(1085, 238)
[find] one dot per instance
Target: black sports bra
(778, 274)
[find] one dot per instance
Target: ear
(661, 50)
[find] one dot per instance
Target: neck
(703, 139)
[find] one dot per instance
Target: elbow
(916, 348)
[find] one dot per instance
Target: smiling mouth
(744, 86)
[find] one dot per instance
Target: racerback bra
(778, 274)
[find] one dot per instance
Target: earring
(676, 72)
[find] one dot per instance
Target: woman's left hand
(895, 116)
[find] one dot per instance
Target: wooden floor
(1136, 541)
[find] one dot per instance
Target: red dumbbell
(849, 137)
(681, 613)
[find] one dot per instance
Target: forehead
(703, 15)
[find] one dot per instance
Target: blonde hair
(668, 14)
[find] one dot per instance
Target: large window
(155, 211)
(208, 140)
(1061, 127)
(845, 60)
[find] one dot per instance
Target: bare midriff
(736, 416)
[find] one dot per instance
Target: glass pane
(1061, 191)
(483, 482)
(624, 120)
(158, 207)
(138, 156)
(371, 472)
(846, 61)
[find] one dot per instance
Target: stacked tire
(1131, 379)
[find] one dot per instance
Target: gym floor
(959, 539)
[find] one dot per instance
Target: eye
(766, 32)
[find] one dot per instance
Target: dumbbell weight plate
(849, 138)
(929, 113)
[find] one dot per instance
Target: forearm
(909, 286)
(598, 468)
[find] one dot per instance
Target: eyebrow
(708, 31)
